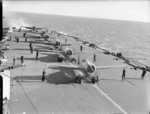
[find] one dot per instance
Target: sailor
(31, 48)
(43, 75)
(37, 54)
(14, 60)
(65, 40)
(143, 73)
(81, 48)
(17, 39)
(22, 60)
(94, 58)
(123, 74)
(25, 34)
(10, 38)
(26, 39)
(78, 59)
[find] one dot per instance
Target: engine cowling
(57, 43)
(60, 58)
(91, 69)
(46, 37)
(69, 52)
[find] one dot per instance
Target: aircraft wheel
(78, 80)
(60, 59)
(93, 80)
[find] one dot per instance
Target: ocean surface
(129, 37)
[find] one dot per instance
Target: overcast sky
(122, 10)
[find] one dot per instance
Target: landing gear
(95, 79)
(60, 59)
(78, 79)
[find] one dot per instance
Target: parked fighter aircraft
(86, 68)
(54, 44)
(44, 34)
(64, 54)
(32, 29)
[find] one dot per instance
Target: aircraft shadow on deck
(47, 59)
(46, 48)
(60, 77)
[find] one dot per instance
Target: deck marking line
(110, 99)
(130, 82)
(102, 93)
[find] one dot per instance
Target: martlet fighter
(46, 35)
(32, 29)
(54, 44)
(86, 69)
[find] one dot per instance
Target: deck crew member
(31, 48)
(22, 60)
(14, 60)
(81, 48)
(37, 54)
(25, 34)
(65, 40)
(26, 39)
(94, 58)
(123, 74)
(43, 75)
(143, 73)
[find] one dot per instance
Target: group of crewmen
(142, 75)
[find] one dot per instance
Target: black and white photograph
(75, 57)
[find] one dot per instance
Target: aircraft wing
(42, 42)
(81, 52)
(42, 28)
(28, 27)
(66, 44)
(63, 66)
(32, 36)
(108, 67)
